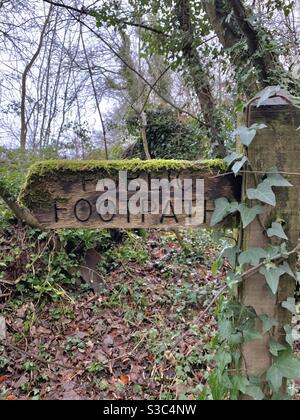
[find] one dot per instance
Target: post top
(273, 97)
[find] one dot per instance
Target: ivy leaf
(232, 280)
(246, 135)
(235, 339)
(248, 214)
(288, 269)
(223, 359)
(262, 193)
(289, 335)
(290, 305)
(238, 165)
(266, 94)
(252, 256)
(240, 383)
(275, 347)
(255, 392)
(225, 329)
(233, 207)
(273, 250)
(268, 323)
(272, 276)
(257, 126)
(251, 335)
(277, 230)
(232, 158)
(275, 377)
(217, 264)
(230, 253)
(288, 366)
(222, 208)
(295, 335)
(250, 332)
(276, 180)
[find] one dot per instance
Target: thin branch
(87, 12)
(153, 86)
(23, 137)
(37, 358)
(256, 172)
(109, 46)
(20, 212)
(254, 270)
(95, 94)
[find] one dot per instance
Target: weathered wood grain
(277, 145)
(66, 197)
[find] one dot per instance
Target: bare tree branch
(28, 67)
(20, 212)
(112, 49)
(88, 12)
(95, 93)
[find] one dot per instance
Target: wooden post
(277, 145)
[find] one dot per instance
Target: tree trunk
(199, 76)
(24, 122)
(231, 21)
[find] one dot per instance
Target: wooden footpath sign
(127, 194)
(164, 194)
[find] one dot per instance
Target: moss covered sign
(126, 194)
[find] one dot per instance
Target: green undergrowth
(152, 290)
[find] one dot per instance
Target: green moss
(35, 199)
(34, 195)
(47, 168)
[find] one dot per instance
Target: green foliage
(277, 230)
(248, 214)
(272, 274)
(170, 135)
(284, 366)
(15, 164)
(265, 94)
(95, 368)
(252, 256)
(239, 324)
(222, 209)
(247, 134)
(132, 249)
(263, 193)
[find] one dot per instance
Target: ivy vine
(237, 323)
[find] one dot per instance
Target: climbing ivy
(237, 323)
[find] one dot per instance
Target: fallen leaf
(3, 378)
(124, 379)
(108, 341)
(11, 398)
(71, 396)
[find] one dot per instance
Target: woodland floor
(127, 343)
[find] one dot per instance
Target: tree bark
(199, 76)
(20, 212)
(95, 94)
(230, 21)
(28, 67)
